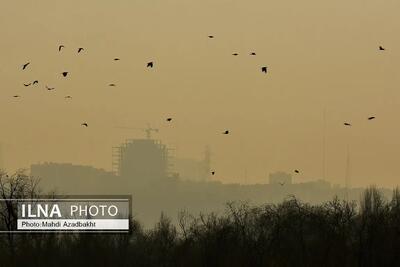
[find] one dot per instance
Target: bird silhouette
(252, 54)
(116, 59)
(80, 49)
(213, 173)
(347, 124)
(111, 84)
(371, 118)
(35, 82)
(264, 69)
(85, 124)
(296, 171)
(68, 96)
(60, 47)
(150, 64)
(65, 73)
(169, 119)
(226, 132)
(211, 36)
(282, 184)
(27, 84)
(50, 88)
(235, 54)
(25, 65)
(381, 48)
(16, 96)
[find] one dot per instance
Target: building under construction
(148, 159)
(142, 159)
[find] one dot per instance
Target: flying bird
(213, 172)
(25, 65)
(116, 59)
(282, 184)
(226, 132)
(252, 54)
(85, 124)
(381, 48)
(111, 84)
(65, 73)
(68, 96)
(50, 88)
(169, 119)
(16, 96)
(347, 124)
(60, 47)
(211, 36)
(296, 171)
(371, 118)
(235, 54)
(264, 69)
(35, 82)
(80, 49)
(150, 64)
(27, 84)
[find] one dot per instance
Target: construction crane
(147, 130)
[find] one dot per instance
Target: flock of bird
(264, 69)
(35, 82)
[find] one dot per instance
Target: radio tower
(347, 172)
(324, 145)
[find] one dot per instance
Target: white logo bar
(73, 224)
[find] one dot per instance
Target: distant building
(317, 185)
(280, 177)
(141, 160)
(192, 169)
(70, 177)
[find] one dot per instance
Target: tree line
(291, 233)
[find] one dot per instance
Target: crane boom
(147, 130)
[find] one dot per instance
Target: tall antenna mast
(207, 162)
(324, 145)
(1, 157)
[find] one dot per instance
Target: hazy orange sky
(320, 54)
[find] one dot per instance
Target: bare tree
(13, 188)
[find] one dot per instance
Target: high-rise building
(141, 160)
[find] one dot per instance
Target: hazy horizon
(320, 55)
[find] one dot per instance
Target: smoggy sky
(320, 54)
